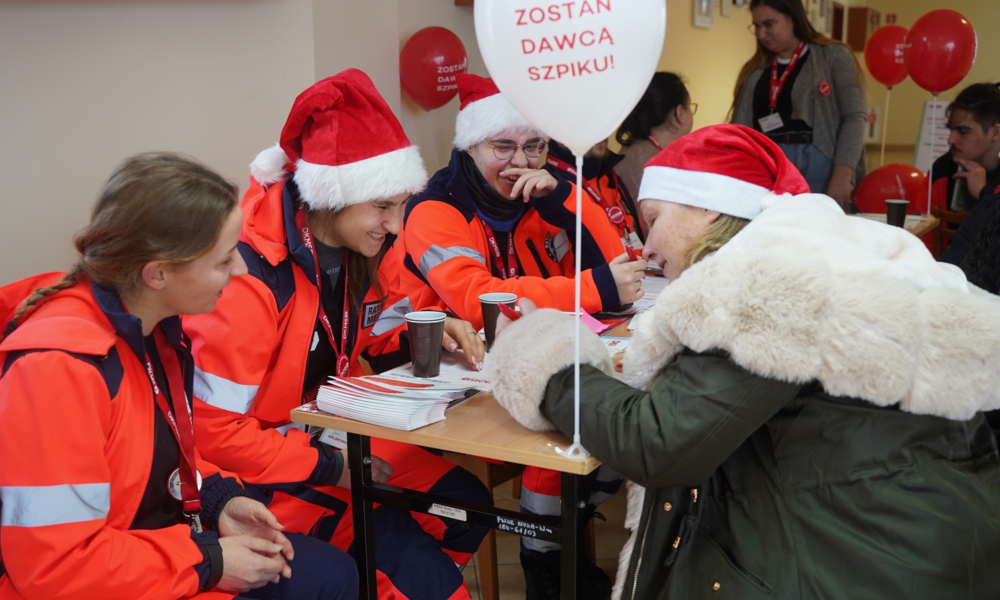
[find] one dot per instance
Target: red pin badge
(825, 89)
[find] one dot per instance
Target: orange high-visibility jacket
(448, 260)
(605, 182)
(76, 445)
(251, 352)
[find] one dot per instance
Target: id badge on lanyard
(773, 121)
(184, 483)
(615, 214)
(343, 358)
(511, 271)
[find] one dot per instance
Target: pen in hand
(509, 312)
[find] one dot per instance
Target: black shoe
(542, 578)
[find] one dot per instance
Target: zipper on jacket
(538, 257)
(642, 548)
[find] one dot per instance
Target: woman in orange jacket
(319, 221)
(98, 469)
(494, 221)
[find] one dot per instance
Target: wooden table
(478, 427)
(925, 225)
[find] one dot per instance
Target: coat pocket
(713, 561)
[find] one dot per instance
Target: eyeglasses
(506, 150)
(768, 25)
(693, 107)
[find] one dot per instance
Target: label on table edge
(447, 511)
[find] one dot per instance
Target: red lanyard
(653, 141)
(776, 83)
(495, 247)
(343, 360)
(184, 431)
(615, 213)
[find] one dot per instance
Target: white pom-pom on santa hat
(485, 113)
(731, 169)
(344, 145)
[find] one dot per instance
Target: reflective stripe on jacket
(251, 352)
(76, 445)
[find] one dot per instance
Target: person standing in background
(664, 113)
(806, 92)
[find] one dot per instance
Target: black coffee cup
(895, 212)
(491, 311)
(426, 333)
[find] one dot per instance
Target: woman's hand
(245, 516)
(461, 334)
(840, 185)
(381, 472)
(628, 276)
(249, 562)
(533, 183)
(527, 307)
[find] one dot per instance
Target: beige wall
(84, 83)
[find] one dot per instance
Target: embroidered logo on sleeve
(371, 312)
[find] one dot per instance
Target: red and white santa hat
(727, 168)
(484, 112)
(344, 146)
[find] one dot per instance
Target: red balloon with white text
(940, 49)
(884, 55)
(428, 64)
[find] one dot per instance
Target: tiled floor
(611, 535)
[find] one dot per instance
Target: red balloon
(940, 50)
(892, 182)
(428, 64)
(884, 55)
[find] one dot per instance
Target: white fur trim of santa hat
(325, 187)
(485, 113)
(711, 191)
(727, 168)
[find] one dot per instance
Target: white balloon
(574, 68)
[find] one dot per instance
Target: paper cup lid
(498, 298)
(426, 316)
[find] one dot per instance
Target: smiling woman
(318, 232)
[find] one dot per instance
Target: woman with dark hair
(806, 92)
(320, 218)
(664, 113)
(99, 474)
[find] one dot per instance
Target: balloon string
(885, 124)
(930, 170)
(430, 129)
(578, 253)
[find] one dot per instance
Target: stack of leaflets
(400, 400)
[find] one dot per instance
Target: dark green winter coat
(803, 409)
(762, 489)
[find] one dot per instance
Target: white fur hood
(806, 293)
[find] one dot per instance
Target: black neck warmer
(488, 201)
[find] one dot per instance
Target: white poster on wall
(933, 127)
